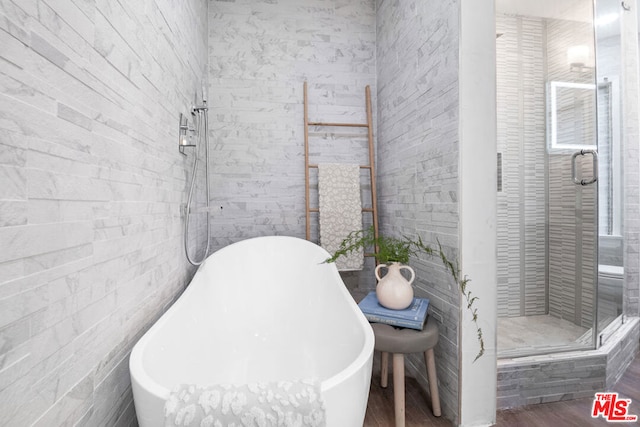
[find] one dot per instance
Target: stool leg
(384, 369)
(430, 360)
(398, 388)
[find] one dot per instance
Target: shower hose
(202, 132)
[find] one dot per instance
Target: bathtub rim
(150, 386)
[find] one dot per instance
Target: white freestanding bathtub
(261, 310)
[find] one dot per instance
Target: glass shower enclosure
(558, 178)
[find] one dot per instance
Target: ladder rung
(361, 167)
(363, 210)
(371, 163)
(349, 125)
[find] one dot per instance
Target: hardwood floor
(573, 413)
(418, 405)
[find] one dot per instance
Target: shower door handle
(594, 156)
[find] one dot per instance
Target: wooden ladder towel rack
(370, 166)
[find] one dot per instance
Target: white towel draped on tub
(340, 208)
(282, 403)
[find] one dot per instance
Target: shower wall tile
(91, 186)
(418, 121)
(260, 54)
(521, 140)
(572, 210)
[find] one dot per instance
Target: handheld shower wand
(201, 126)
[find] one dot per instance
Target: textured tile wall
(417, 54)
(572, 211)
(533, 51)
(624, 347)
(566, 376)
(565, 295)
(260, 53)
(522, 203)
(543, 379)
(91, 184)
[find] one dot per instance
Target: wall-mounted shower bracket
(187, 131)
(185, 134)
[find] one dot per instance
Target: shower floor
(539, 334)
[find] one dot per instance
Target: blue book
(411, 317)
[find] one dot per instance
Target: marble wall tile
(565, 376)
(622, 355)
(92, 183)
(521, 135)
(418, 119)
(563, 278)
(260, 53)
(572, 217)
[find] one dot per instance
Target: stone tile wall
(523, 205)
(623, 348)
(533, 380)
(260, 53)
(417, 60)
(566, 376)
(91, 184)
(522, 201)
(572, 221)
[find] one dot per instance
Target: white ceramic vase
(393, 290)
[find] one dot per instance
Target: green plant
(392, 249)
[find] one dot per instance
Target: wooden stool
(400, 341)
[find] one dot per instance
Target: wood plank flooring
(573, 413)
(380, 412)
(418, 405)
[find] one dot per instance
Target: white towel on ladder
(340, 207)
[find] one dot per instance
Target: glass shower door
(611, 178)
(547, 177)
(572, 194)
